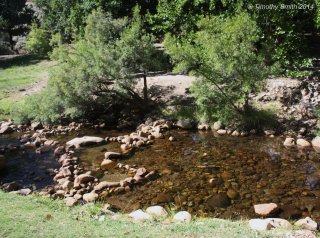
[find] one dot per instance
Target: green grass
(35, 216)
(21, 71)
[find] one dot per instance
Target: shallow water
(198, 166)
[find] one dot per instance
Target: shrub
(38, 41)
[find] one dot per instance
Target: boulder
(222, 132)
(303, 143)
(6, 130)
(260, 224)
(316, 143)
(307, 223)
(112, 155)
(278, 222)
(8, 187)
(90, 197)
(157, 211)
(70, 201)
(265, 209)
(85, 141)
(204, 127)
(104, 184)
(182, 217)
(184, 124)
(82, 179)
(140, 215)
(24, 191)
(220, 200)
(107, 164)
(36, 126)
(289, 142)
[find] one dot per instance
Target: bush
(38, 41)
(224, 57)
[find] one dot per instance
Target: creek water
(210, 175)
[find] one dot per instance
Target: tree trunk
(11, 42)
(145, 87)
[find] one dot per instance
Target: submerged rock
(220, 200)
(182, 217)
(107, 164)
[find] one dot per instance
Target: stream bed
(205, 174)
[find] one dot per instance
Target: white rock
(157, 211)
(84, 141)
(140, 215)
(316, 143)
(222, 132)
(182, 217)
(260, 224)
(289, 142)
(307, 223)
(184, 124)
(217, 126)
(303, 143)
(278, 222)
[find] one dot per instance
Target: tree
(15, 15)
(38, 41)
(225, 58)
(138, 54)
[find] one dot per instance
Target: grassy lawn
(40, 217)
(21, 71)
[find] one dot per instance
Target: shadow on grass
(19, 60)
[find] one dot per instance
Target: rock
(70, 201)
(90, 197)
(8, 187)
(140, 215)
(204, 126)
(235, 133)
(6, 130)
(184, 124)
(222, 132)
(307, 223)
(232, 194)
(107, 164)
(278, 222)
(260, 224)
(60, 150)
(36, 126)
(269, 132)
(2, 162)
(85, 141)
(171, 138)
(316, 143)
(182, 217)
(220, 200)
(217, 126)
(265, 209)
(141, 172)
(289, 142)
(82, 179)
(303, 143)
(112, 155)
(157, 211)
(104, 184)
(67, 185)
(24, 191)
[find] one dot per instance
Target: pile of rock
(302, 143)
(158, 212)
(271, 209)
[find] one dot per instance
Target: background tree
(138, 55)
(225, 58)
(14, 18)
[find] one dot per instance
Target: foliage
(68, 17)
(38, 41)
(14, 18)
(224, 57)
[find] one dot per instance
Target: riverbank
(34, 216)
